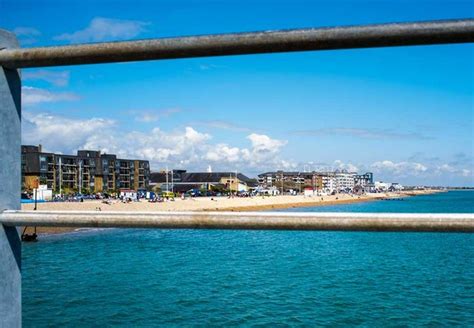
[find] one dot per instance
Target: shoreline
(218, 204)
(250, 208)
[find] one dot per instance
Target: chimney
(40, 147)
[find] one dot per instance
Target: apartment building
(88, 171)
(344, 180)
(270, 179)
(365, 181)
(326, 182)
(303, 179)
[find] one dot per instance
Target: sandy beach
(212, 204)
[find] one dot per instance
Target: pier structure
(12, 58)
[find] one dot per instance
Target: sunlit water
(260, 278)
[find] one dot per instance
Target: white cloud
(263, 145)
(286, 165)
(26, 31)
(365, 133)
(223, 125)
(32, 96)
(59, 133)
(423, 173)
(148, 116)
(191, 149)
(328, 167)
(26, 35)
(179, 148)
(466, 173)
(446, 168)
(223, 152)
(264, 153)
(158, 146)
(345, 166)
(57, 78)
(400, 169)
(105, 29)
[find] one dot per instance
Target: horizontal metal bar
(245, 220)
(364, 36)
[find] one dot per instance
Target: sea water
(137, 278)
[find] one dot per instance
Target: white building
(266, 180)
(328, 181)
(382, 186)
(345, 180)
(309, 192)
(241, 187)
(364, 182)
(272, 191)
(395, 186)
(42, 193)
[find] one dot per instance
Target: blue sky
(404, 113)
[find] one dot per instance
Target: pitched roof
(196, 177)
(211, 177)
(157, 177)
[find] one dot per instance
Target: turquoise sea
(143, 278)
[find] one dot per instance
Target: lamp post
(282, 183)
(172, 181)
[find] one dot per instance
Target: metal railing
(12, 58)
(405, 222)
(366, 36)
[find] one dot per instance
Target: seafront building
(345, 181)
(183, 181)
(88, 171)
(364, 179)
(381, 186)
(326, 182)
(297, 179)
(364, 182)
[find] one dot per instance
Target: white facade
(396, 187)
(309, 192)
(132, 194)
(43, 193)
(242, 187)
(329, 182)
(345, 180)
(382, 186)
(270, 191)
(364, 180)
(266, 181)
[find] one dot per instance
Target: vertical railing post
(10, 188)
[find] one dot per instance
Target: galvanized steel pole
(10, 179)
(345, 37)
(403, 222)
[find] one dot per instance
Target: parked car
(194, 192)
(167, 194)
